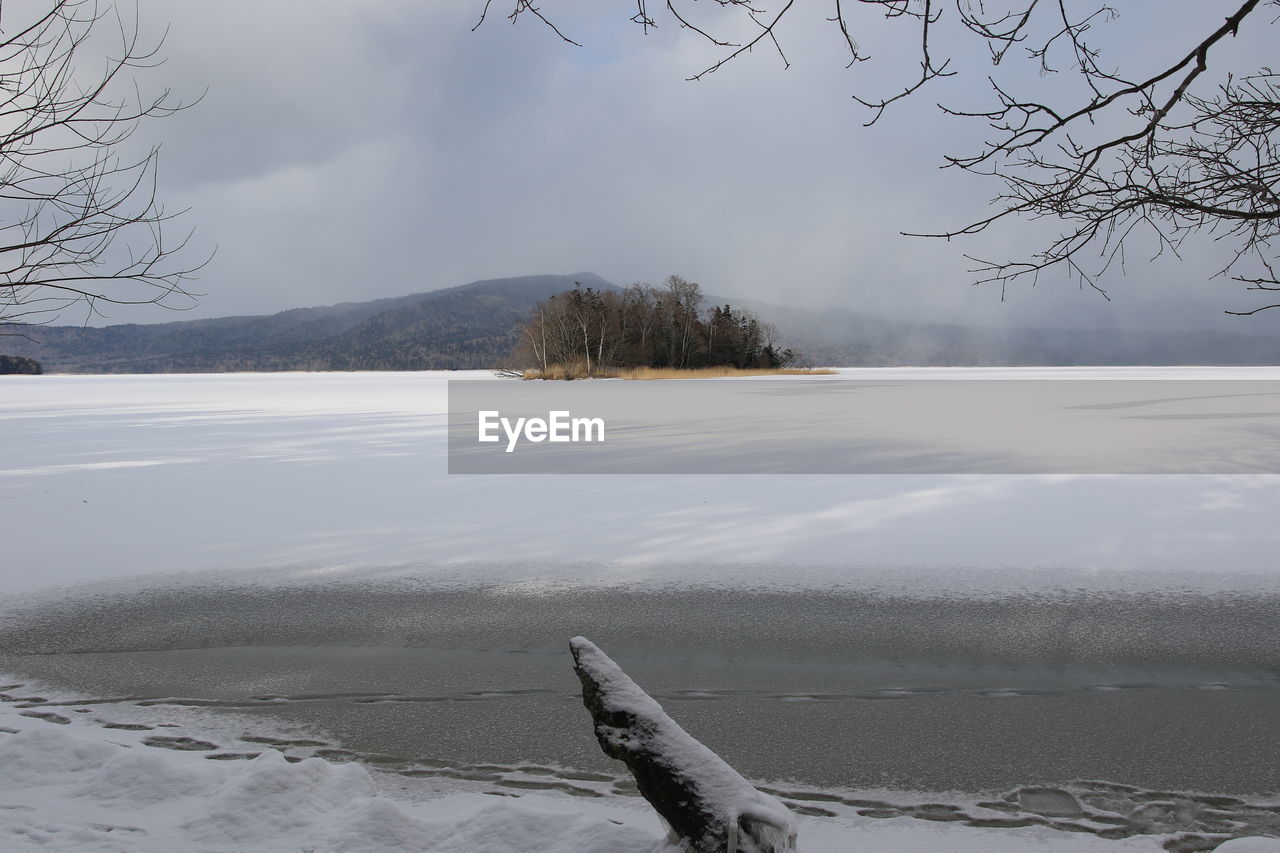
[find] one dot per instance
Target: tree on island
(80, 220)
(1162, 147)
(590, 332)
(11, 364)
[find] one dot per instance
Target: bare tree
(680, 303)
(1172, 150)
(586, 332)
(640, 314)
(80, 220)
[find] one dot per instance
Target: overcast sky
(354, 150)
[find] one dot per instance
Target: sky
(343, 151)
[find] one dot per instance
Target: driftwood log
(708, 806)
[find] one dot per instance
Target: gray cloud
(348, 151)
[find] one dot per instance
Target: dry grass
(578, 371)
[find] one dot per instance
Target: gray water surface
(840, 690)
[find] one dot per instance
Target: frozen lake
(317, 474)
(290, 546)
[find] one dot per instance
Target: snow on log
(705, 802)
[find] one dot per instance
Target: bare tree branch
(1158, 153)
(523, 7)
(79, 222)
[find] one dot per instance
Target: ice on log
(709, 806)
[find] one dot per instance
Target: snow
(1250, 845)
(724, 792)
(297, 477)
(80, 787)
(75, 787)
(316, 475)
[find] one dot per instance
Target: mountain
(459, 327)
(474, 326)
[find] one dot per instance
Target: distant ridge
(468, 326)
(475, 326)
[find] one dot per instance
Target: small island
(646, 332)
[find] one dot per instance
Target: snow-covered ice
(118, 483)
(327, 473)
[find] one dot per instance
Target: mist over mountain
(475, 326)
(851, 338)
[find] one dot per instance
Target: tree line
(592, 331)
(18, 364)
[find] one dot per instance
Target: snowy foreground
(114, 484)
(82, 786)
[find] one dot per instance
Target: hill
(474, 326)
(469, 326)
